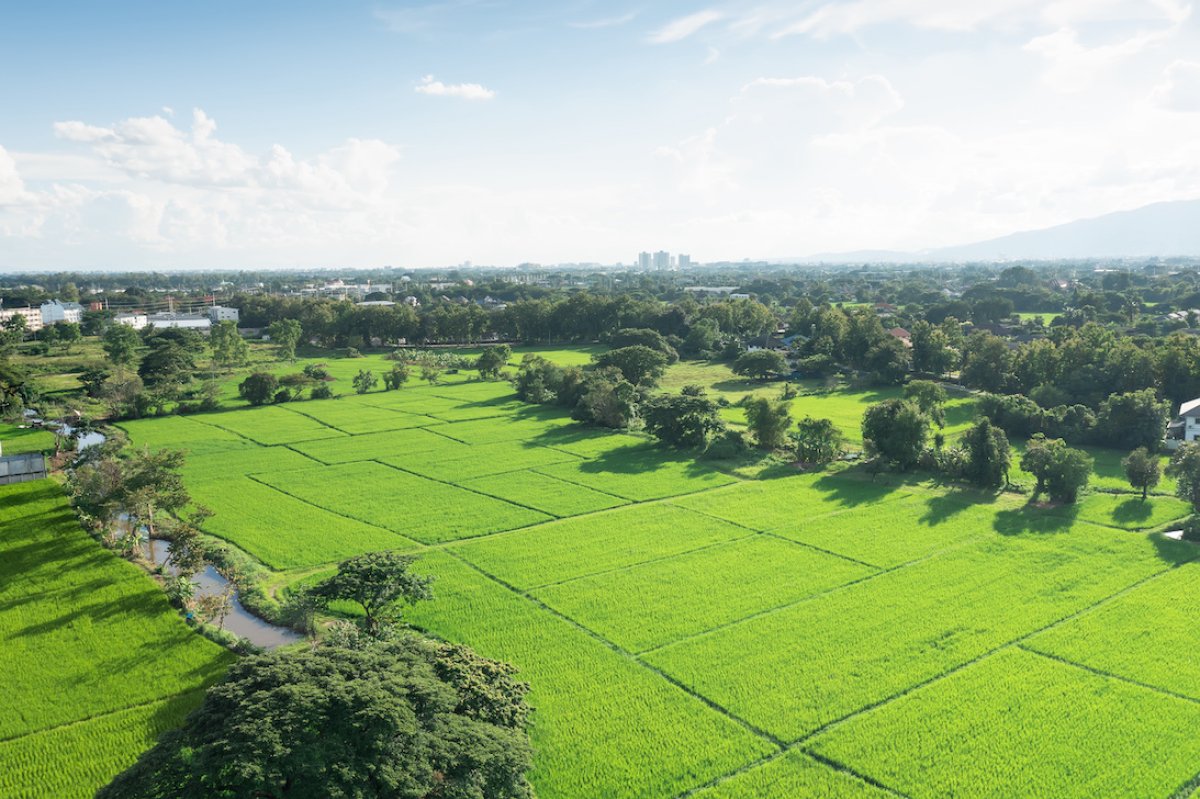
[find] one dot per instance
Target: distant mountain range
(1161, 229)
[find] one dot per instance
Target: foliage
(285, 335)
(1142, 469)
(768, 421)
(987, 455)
(492, 360)
(364, 381)
(407, 717)
(259, 388)
(688, 419)
(760, 364)
(228, 346)
(1136, 419)
(817, 440)
(930, 398)
(628, 337)
(121, 344)
(1059, 470)
(638, 364)
(895, 430)
(377, 582)
(1185, 468)
(395, 377)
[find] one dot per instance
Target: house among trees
(1185, 426)
(903, 335)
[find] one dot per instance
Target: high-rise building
(643, 260)
(684, 261)
(662, 260)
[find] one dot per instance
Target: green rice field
(689, 632)
(94, 663)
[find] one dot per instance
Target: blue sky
(157, 135)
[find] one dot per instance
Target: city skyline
(160, 136)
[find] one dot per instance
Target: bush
(1191, 528)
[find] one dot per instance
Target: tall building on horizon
(643, 261)
(662, 261)
(683, 261)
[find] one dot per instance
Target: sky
(319, 134)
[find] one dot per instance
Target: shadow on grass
(1132, 511)
(1030, 518)
(852, 487)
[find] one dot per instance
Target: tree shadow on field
(641, 459)
(851, 488)
(942, 507)
(1132, 511)
(1030, 518)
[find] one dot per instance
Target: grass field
(685, 631)
(19, 440)
(92, 659)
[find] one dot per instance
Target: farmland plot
(181, 432)
(1035, 727)
(640, 472)
(652, 604)
(1148, 635)
(270, 425)
(604, 725)
(358, 418)
(547, 494)
(283, 532)
(797, 669)
(1125, 511)
(378, 445)
(413, 506)
(477, 461)
(244, 459)
(528, 427)
(793, 774)
(613, 539)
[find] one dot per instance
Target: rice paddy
(688, 632)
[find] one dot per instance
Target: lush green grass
(571, 548)
(792, 671)
(1149, 635)
(282, 531)
(83, 635)
(241, 460)
(379, 445)
(1107, 473)
(1124, 511)
(652, 604)
(73, 761)
(793, 774)
(357, 418)
(547, 494)
(413, 506)
(270, 425)
(640, 472)
(1047, 316)
(604, 725)
(477, 461)
(1020, 725)
(529, 425)
(181, 432)
(16, 440)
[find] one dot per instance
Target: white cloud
(1180, 87)
(467, 91)
(680, 29)
(1073, 67)
(606, 22)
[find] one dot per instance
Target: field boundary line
(634, 499)
(837, 765)
(97, 716)
(749, 727)
(551, 516)
(287, 406)
(1108, 674)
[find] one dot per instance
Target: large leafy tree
(1185, 468)
(768, 421)
(492, 360)
(987, 454)
(1060, 471)
(1143, 470)
(406, 718)
(285, 335)
(228, 346)
(121, 343)
(378, 582)
(687, 419)
(639, 364)
(259, 388)
(1134, 419)
(896, 430)
(760, 364)
(817, 440)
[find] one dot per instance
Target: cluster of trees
(1123, 421)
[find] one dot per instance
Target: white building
(643, 261)
(1185, 426)
(684, 261)
(135, 320)
(54, 312)
(219, 313)
(739, 296)
(662, 260)
(33, 317)
(191, 321)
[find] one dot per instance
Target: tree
(376, 582)
(629, 336)
(1135, 419)
(492, 360)
(121, 343)
(987, 455)
(364, 381)
(1142, 469)
(888, 360)
(930, 398)
(228, 346)
(817, 440)
(987, 362)
(768, 421)
(702, 338)
(403, 718)
(687, 419)
(69, 334)
(285, 335)
(931, 349)
(1060, 471)
(606, 398)
(760, 364)
(431, 374)
(396, 377)
(895, 430)
(640, 365)
(259, 388)
(1185, 468)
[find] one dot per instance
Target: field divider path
(477, 493)
(752, 728)
(95, 716)
(1108, 674)
(287, 406)
(801, 742)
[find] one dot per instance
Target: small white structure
(54, 312)
(219, 313)
(135, 320)
(1185, 426)
(192, 321)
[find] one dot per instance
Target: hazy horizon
(305, 135)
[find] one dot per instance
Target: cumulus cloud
(679, 29)
(1073, 66)
(1180, 87)
(12, 188)
(605, 22)
(467, 91)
